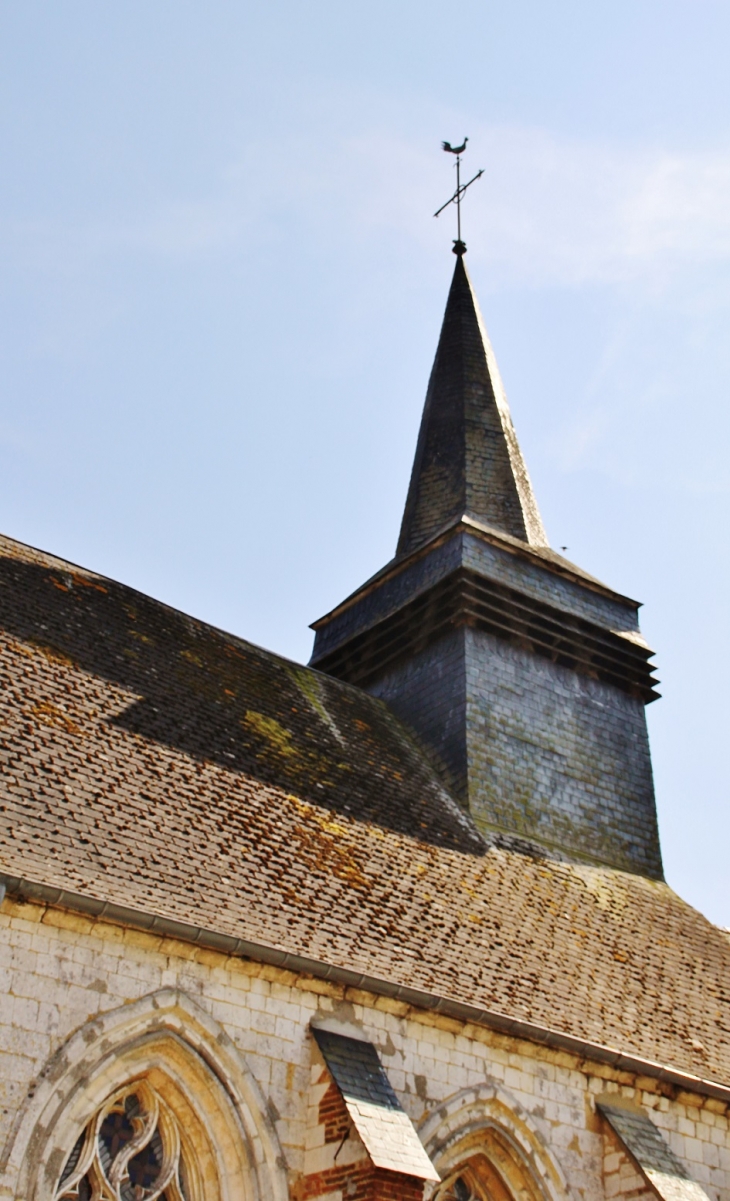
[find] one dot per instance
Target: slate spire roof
(468, 461)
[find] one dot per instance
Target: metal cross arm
(459, 247)
(456, 198)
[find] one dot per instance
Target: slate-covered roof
(152, 761)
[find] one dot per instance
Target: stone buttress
(523, 678)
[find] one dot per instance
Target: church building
(389, 927)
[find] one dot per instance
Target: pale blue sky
(222, 285)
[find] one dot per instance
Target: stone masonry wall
(558, 757)
(59, 971)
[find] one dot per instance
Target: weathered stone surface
(458, 1084)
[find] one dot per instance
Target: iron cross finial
(459, 246)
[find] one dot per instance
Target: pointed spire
(468, 461)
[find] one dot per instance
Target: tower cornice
(542, 555)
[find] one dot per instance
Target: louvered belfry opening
(465, 598)
(523, 678)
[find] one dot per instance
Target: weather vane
(459, 247)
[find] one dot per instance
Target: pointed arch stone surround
(166, 1036)
(486, 1122)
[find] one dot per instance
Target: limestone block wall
(84, 1002)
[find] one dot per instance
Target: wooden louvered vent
(467, 599)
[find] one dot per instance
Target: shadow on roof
(219, 700)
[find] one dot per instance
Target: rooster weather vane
(459, 247)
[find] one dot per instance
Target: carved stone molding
(171, 1044)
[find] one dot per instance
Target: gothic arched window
(457, 1189)
(489, 1175)
(131, 1150)
(486, 1148)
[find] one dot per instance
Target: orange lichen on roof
(51, 715)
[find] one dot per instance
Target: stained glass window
(131, 1150)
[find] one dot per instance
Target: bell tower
(523, 678)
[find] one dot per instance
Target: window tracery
(461, 1188)
(131, 1150)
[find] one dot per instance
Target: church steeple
(468, 461)
(523, 678)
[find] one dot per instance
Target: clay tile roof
(152, 761)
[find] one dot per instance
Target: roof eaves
(34, 891)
